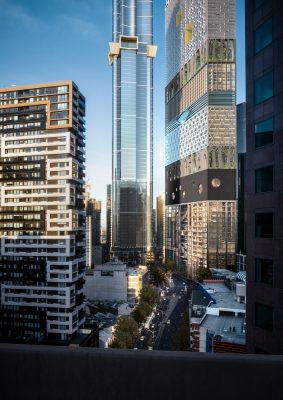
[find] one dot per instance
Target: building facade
(241, 174)
(160, 227)
(42, 221)
(107, 282)
(264, 176)
(200, 152)
(108, 216)
(131, 56)
(93, 228)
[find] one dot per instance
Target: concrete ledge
(55, 373)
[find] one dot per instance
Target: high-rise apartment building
(264, 176)
(42, 222)
(131, 55)
(200, 134)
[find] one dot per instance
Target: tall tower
(42, 221)
(160, 227)
(131, 56)
(108, 215)
(200, 133)
(264, 176)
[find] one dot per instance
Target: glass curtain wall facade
(42, 218)
(200, 164)
(131, 55)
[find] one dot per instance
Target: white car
(168, 322)
(142, 338)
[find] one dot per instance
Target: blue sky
(53, 40)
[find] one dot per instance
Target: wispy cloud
(15, 12)
(84, 28)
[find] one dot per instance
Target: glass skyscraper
(131, 56)
(200, 133)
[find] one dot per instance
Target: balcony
(54, 373)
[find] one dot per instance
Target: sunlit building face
(200, 137)
(131, 56)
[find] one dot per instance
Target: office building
(108, 216)
(200, 152)
(131, 56)
(241, 151)
(42, 222)
(93, 226)
(264, 175)
(241, 173)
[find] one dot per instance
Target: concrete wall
(56, 373)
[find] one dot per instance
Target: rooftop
(230, 327)
(223, 296)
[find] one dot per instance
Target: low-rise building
(107, 282)
(217, 312)
(136, 279)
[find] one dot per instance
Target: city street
(166, 320)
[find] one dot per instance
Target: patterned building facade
(200, 136)
(42, 221)
(131, 56)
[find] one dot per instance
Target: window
(263, 88)
(263, 36)
(264, 178)
(258, 3)
(264, 271)
(264, 225)
(264, 316)
(264, 132)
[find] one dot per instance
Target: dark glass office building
(264, 176)
(131, 55)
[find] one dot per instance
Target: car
(152, 326)
(142, 338)
(149, 347)
(135, 348)
(168, 322)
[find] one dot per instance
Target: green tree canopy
(203, 273)
(182, 337)
(158, 276)
(126, 331)
(149, 295)
(141, 312)
(170, 265)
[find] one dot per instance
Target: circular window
(216, 182)
(200, 188)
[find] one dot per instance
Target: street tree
(149, 295)
(158, 276)
(126, 331)
(203, 273)
(141, 312)
(182, 337)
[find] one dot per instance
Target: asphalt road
(160, 335)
